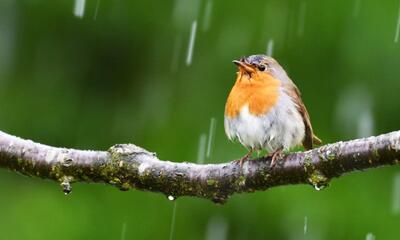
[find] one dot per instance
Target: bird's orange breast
(260, 96)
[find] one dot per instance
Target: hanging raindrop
(67, 188)
(319, 187)
(171, 198)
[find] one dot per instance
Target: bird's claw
(243, 159)
(274, 156)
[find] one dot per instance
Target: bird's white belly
(281, 127)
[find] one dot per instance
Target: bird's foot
(274, 156)
(244, 159)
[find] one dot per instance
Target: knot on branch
(318, 179)
(128, 166)
(123, 151)
(315, 176)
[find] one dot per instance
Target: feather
(294, 93)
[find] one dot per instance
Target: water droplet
(79, 8)
(319, 187)
(201, 149)
(270, 47)
(370, 236)
(305, 225)
(320, 184)
(318, 180)
(396, 194)
(171, 233)
(396, 36)
(365, 123)
(66, 186)
(211, 134)
(96, 10)
(191, 43)
(207, 15)
(171, 198)
(123, 231)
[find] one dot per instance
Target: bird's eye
(261, 67)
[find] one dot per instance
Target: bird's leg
(274, 156)
(245, 158)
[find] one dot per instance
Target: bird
(264, 110)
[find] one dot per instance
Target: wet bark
(128, 166)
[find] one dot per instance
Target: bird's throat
(260, 96)
(244, 77)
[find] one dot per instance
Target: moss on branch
(128, 166)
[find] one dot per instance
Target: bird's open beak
(243, 66)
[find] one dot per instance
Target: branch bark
(128, 166)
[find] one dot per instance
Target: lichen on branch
(128, 166)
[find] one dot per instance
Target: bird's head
(259, 68)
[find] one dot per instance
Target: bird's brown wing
(309, 138)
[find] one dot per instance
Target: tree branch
(127, 166)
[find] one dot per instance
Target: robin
(264, 109)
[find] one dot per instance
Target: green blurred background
(119, 74)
